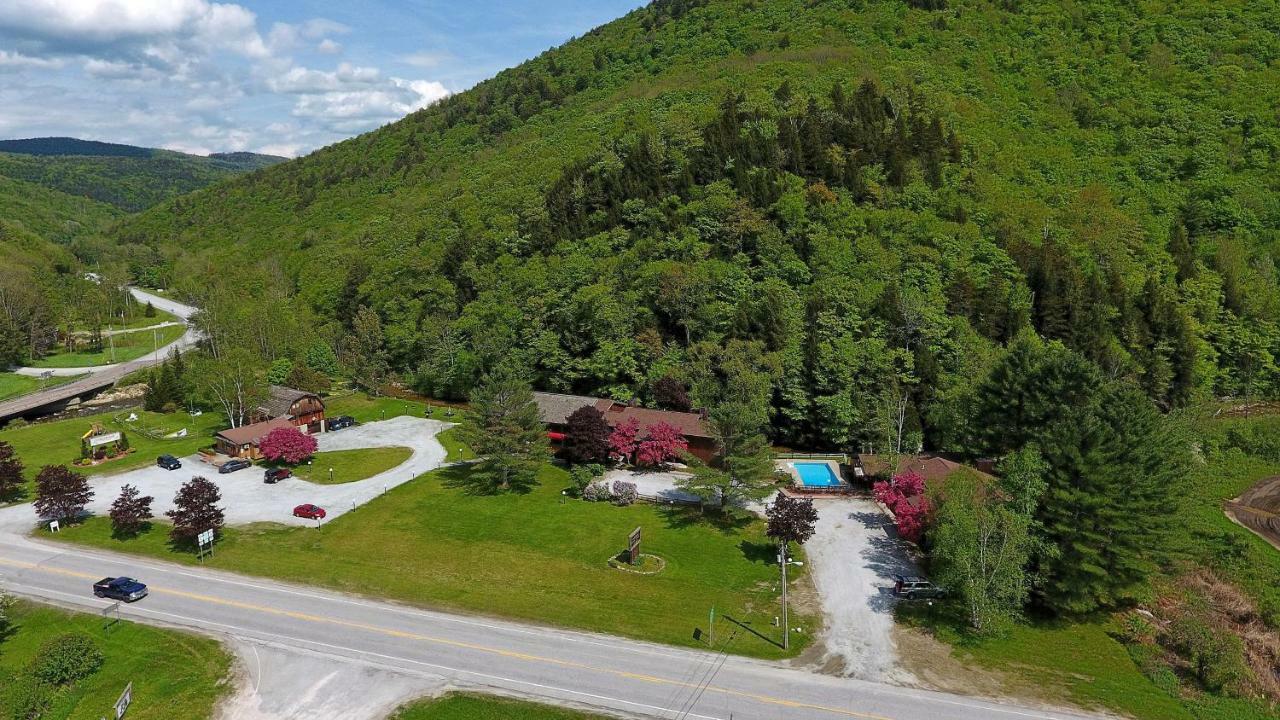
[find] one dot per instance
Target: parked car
(339, 423)
(120, 588)
(309, 511)
(233, 465)
(275, 475)
(911, 587)
(168, 462)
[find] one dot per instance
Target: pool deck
(798, 488)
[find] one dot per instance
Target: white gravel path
(660, 484)
(853, 556)
(246, 498)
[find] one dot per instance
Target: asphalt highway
(580, 669)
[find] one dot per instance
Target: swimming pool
(816, 474)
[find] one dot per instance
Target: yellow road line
(306, 617)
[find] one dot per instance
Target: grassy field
(479, 707)
(440, 542)
(13, 384)
(127, 346)
(174, 675)
(54, 443)
(1078, 663)
(140, 320)
(351, 465)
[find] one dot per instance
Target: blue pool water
(816, 474)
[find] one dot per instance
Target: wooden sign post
(633, 547)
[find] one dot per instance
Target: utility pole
(111, 339)
(786, 625)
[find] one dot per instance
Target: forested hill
(127, 177)
(825, 205)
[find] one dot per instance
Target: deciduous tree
(671, 394)
(235, 382)
(662, 443)
(195, 510)
(791, 519)
(905, 497)
(61, 493)
(624, 439)
(586, 437)
(979, 547)
(130, 511)
(10, 470)
(289, 445)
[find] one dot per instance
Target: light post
(330, 476)
(309, 473)
(786, 623)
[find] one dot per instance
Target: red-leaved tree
(904, 496)
(661, 444)
(289, 445)
(623, 439)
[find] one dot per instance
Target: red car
(309, 511)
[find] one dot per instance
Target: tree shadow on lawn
(759, 552)
(475, 482)
(679, 517)
(120, 535)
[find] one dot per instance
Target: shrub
(596, 492)
(1216, 659)
(26, 698)
(581, 476)
(624, 493)
(66, 659)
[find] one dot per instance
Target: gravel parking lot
(247, 499)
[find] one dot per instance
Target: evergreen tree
(366, 356)
(504, 429)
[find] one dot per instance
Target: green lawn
(128, 346)
(56, 443)
(367, 409)
(174, 674)
(13, 384)
(140, 320)
(438, 542)
(479, 707)
(351, 465)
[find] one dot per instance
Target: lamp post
(331, 475)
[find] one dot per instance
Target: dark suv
(275, 475)
(233, 465)
(911, 587)
(339, 423)
(168, 462)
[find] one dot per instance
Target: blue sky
(277, 76)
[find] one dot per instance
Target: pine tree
(503, 427)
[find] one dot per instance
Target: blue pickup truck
(120, 588)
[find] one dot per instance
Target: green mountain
(127, 177)
(826, 203)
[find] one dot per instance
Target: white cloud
(329, 47)
(18, 60)
(345, 109)
(425, 59)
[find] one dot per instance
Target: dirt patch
(936, 666)
(1249, 409)
(1258, 509)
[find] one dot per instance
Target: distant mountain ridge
(128, 177)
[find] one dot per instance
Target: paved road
(627, 677)
(101, 376)
(184, 312)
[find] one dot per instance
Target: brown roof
(280, 400)
(555, 409)
(929, 467)
(251, 434)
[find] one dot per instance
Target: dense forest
(58, 196)
(855, 203)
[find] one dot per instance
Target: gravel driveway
(247, 499)
(853, 554)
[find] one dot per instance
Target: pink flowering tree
(661, 444)
(904, 496)
(624, 438)
(289, 445)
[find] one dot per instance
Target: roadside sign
(122, 704)
(54, 526)
(110, 616)
(633, 546)
(205, 538)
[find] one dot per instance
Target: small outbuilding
(242, 442)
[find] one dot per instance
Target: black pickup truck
(120, 588)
